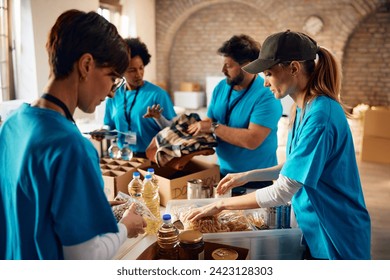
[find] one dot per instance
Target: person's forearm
(242, 137)
(163, 122)
(265, 174)
(242, 202)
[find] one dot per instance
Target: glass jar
(191, 245)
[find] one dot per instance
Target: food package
(141, 208)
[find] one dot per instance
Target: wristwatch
(214, 126)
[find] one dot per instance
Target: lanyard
(59, 103)
(128, 116)
(230, 108)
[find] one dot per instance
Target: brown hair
(325, 78)
(76, 33)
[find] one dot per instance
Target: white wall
(44, 14)
(141, 19)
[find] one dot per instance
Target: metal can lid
(190, 236)
(224, 254)
(195, 181)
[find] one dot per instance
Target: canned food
(272, 221)
(224, 254)
(194, 189)
(206, 193)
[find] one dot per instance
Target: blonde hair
(325, 80)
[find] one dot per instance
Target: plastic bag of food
(127, 200)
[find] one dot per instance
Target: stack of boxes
(189, 96)
(376, 135)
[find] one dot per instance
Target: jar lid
(190, 236)
(224, 254)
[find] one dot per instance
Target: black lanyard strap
(229, 109)
(59, 103)
(128, 115)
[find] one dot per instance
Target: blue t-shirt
(330, 207)
(257, 106)
(145, 128)
(51, 186)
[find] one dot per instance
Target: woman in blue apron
(320, 176)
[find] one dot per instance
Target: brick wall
(189, 32)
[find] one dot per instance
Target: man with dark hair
(243, 114)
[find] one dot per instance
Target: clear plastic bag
(141, 208)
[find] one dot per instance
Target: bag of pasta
(225, 221)
(123, 201)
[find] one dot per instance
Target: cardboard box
(377, 123)
(188, 86)
(375, 149)
(376, 135)
(173, 183)
(189, 99)
(117, 174)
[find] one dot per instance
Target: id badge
(131, 138)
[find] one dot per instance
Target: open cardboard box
(117, 174)
(173, 183)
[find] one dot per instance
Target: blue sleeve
(210, 109)
(267, 111)
(80, 207)
(309, 155)
(108, 120)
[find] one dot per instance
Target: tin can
(224, 254)
(206, 192)
(287, 216)
(271, 219)
(194, 189)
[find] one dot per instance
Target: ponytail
(325, 80)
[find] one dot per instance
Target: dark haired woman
(52, 203)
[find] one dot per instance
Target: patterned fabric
(175, 142)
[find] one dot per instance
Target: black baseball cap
(280, 47)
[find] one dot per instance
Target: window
(111, 10)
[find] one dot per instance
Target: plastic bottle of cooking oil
(168, 239)
(152, 201)
(135, 187)
(154, 177)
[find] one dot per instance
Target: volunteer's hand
(98, 136)
(199, 127)
(205, 211)
(230, 181)
(134, 223)
(153, 112)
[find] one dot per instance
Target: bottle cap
(151, 170)
(136, 174)
(167, 217)
(148, 176)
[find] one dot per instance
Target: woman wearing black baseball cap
(320, 176)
